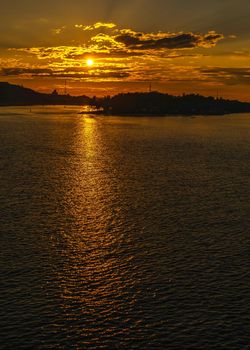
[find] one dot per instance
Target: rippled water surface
(123, 232)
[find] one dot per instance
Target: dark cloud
(234, 71)
(140, 41)
(228, 75)
(100, 75)
(64, 73)
(24, 71)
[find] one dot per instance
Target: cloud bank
(119, 55)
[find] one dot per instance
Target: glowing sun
(89, 62)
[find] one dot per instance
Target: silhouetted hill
(155, 103)
(138, 103)
(15, 95)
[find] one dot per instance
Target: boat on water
(91, 110)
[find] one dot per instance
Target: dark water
(124, 233)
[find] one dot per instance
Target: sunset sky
(177, 45)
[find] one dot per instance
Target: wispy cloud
(57, 31)
(97, 25)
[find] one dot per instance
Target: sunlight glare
(89, 62)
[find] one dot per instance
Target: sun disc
(89, 62)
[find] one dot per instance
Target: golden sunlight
(89, 62)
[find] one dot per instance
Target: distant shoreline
(104, 114)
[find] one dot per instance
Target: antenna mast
(65, 88)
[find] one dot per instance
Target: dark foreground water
(123, 233)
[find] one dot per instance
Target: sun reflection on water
(97, 274)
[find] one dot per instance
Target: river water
(123, 232)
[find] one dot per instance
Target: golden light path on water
(94, 252)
